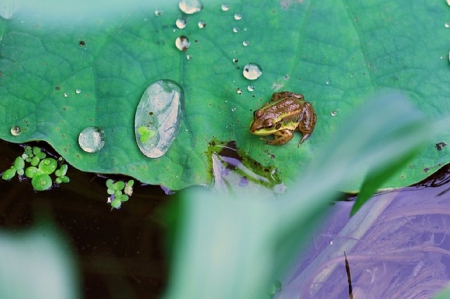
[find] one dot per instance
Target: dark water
(120, 253)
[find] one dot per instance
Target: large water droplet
(91, 139)
(15, 131)
(190, 6)
(158, 117)
(181, 23)
(182, 43)
(226, 7)
(252, 71)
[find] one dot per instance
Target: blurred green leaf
(36, 263)
(66, 66)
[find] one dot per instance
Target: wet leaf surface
(60, 75)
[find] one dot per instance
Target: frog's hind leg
(306, 125)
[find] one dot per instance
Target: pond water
(397, 245)
(119, 252)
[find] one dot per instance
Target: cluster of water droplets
(188, 7)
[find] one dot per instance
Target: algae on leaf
(65, 67)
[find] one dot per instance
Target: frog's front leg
(280, 137)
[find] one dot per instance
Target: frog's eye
(278, 126)
(258, 113)
(268, 123)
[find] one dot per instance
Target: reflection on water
(397, 245)
(119, 252)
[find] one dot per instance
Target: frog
(281, 116)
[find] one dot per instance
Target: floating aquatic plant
(119, 192)
(39, 170)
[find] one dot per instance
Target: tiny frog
(284, 113)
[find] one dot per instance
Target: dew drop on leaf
(238, 17)
(180, 23)
(91, 139)
(15, 130)
(158, 12)
(238, 91)
(245, 43)
(8, 9)
(66, 94)
(333, 113)
(447, 25)
(190, 6)
(182, 43)
(201, 24)
(235, 29)
(77, 91)
(251, 88)
(158, 117)
(225, 7)
(252, 71)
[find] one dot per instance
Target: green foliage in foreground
(237, 247)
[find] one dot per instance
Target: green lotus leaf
(86, 67)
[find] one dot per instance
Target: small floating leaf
(41, 182)
(35, 161)
(119, 185)
(48, 165)
(158, 117)
(9, 174)
(116, 203)
(31, 171)
(19, 163)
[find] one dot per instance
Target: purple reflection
(397, 246)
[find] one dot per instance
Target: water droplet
(180, 23)
(235, 60)
(188, 57)
(238, 91)
(328, 82)
(190, 6)
(201, 24)
(245, 43)
(447, 25)
(235, 29)
(91, 139)
(158, 12)
(66, 94)
(15, 130)
(333, 113)
(233, 109)
(226, 7)
(251, 88)
(77, 91)
(182, 43)
(158, 117)
(252, 71)
(237, 17)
